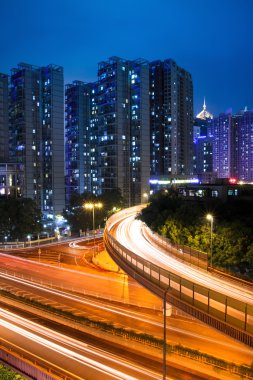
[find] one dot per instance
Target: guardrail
(182, 252)
(31, 365)
(226, 314)
(29, 243)
(79, 290)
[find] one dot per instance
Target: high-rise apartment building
(113, 126)
(171, 119)
(242, 140)
(229, 142)
(223, 146)
(139, 118)
(37, 133)
(77, 144)
(11, 174)
(139, 142)
(53, 139)
(4, 118)
(123, 127)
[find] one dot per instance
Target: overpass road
(225, 299)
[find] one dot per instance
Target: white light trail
(54, 341)
(129, 233)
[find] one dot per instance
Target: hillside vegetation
(184, 222)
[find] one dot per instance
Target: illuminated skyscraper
(123, 127)
(77, 144)
(242, 126)
(223, 145)
(171, 119)
(52, 89)
(37, 133)
(140, 123)
(203, 143)
(4, 118)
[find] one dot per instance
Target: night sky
(211, 39)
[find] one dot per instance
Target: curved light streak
(130, 233)
(121, 312)
(55, 341)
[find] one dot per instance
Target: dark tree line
(18, 218)
(80, 218)
(184, 222)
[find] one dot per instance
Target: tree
(183, 221)
(81, 219)
(19, 217)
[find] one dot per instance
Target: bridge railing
(230, 311)
(182, 252)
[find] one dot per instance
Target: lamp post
(210, 218)
(92, 206)
(145, 197)
(29, 240)
(164, 331)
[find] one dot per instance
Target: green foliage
(184, 222)
(81, 219)
(8, 374)
(19, 217)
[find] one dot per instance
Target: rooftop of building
(204, 114)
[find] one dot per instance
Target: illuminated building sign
(173, 181)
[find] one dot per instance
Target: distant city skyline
(210, 39)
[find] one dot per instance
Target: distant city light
(232, 180)
(172, 181)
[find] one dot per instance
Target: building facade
(242, 140)
(139, 121)
(37, 133)
(171, 119)
(77, 138)
(223, 146)
(203, 143)
(4, 118)
(123, 127)
(52, 88)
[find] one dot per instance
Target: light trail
(83, 274)
(71, 348)
(129, 233)
(120, 311)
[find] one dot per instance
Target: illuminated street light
(92, 206)
(210, 218)
(29, 239)
(145, 196)
(164, 331)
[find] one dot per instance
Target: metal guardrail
(25, 244)
(182, 252)
(227, 314)
(31, 365)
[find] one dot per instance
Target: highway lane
(75, 357)
(116, 287)
(89, 280)
(188, 333)
(131, 234)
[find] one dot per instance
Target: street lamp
(210, 218)
(29, 239)
(164, 331)
(92, 206)
(145, 197)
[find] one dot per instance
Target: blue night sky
(210, 38)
